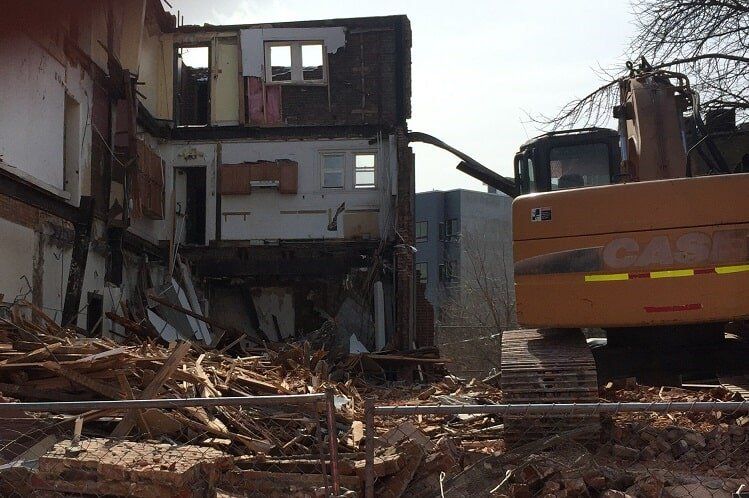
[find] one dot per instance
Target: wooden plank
(170, 366)
(83, 380)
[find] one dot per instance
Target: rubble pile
(651, 455)
(231, 451)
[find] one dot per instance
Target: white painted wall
(33, 85)
(17, 253)
(266, 214)
(181, 155)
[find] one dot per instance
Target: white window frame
(373, 185)
(349, 168)
(297, 73)
(325, 154)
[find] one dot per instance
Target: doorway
(190, 192)
(192, 85)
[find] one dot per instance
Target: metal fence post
(333, 435)
(369, 448)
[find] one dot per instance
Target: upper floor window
(421, 231)
(332, 170)
(364, 170)
(296, 62)
(451, 228)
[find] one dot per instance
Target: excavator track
(546, 366)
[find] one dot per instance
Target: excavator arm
(470, 166)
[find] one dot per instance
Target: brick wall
(424, 318)
(368, 79)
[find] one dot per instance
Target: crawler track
(546, 366)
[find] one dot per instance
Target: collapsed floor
(241, 451)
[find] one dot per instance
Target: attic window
(298, 62)
(280, 63)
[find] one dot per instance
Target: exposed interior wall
(152, 71)
(267, 214)
(33, 89)
(180, 155)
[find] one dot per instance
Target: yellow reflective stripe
(604, 278)
(671, 273)
(731, 269)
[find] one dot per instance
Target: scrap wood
(395, 485)
(127, 423)
(252, 444)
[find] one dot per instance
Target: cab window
(583, 165)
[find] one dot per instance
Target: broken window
(421, 231)
(365, 170)
(421, 272)
(332, 170)
(192, 86)
(295, 62)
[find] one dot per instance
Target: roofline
(195, 28)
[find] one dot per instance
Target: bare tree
(706, 39)
(479, 303)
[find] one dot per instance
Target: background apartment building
(464, 260)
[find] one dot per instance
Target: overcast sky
(479, 67)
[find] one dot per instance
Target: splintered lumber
(170, 365)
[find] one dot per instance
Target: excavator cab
(566, 159)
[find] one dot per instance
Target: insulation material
(263, 102)
(252, 42)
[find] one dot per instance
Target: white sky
(479, 67)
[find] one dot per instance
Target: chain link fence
(194, 447)
(653, 450)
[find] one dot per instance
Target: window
(421, 231)
(447, 271)
(451, 228)
(332, 170)
(421, 272)
(365, 170)
(312, 63)
(295, 62)
(280, 63)
(579, 166)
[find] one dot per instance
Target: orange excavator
(640, 234)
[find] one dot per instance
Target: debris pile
(643, 454)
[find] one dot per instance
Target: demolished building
(259, 175)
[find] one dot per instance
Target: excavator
(639, 234)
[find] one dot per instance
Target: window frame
(366, 186)
(425, 237)
(297, 70)
(325, 154)
(452, 229)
